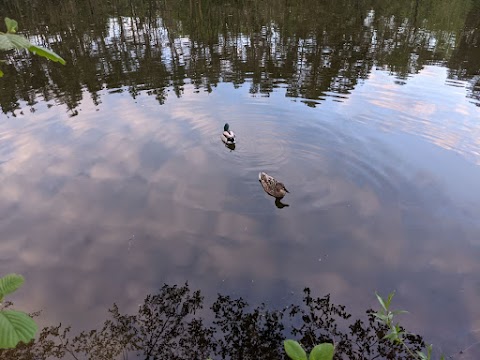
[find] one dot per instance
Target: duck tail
(260, 176)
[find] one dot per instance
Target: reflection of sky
(108, 205)
(422, 107)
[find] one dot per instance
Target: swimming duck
(271, 186)
(228, 137)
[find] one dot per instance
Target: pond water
(115, 180)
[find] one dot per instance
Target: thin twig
(468, 347)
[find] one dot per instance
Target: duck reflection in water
(230, 146)
(279, 204)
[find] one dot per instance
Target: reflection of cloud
(422, 108)
(361, 218)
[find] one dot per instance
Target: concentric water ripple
(262, 143)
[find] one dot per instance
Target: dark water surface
(114, 179)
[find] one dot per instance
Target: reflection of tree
(162, 328)
(168, 326)
(306, 46)
(465, 62)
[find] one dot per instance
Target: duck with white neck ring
(228, 136)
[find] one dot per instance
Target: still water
(115, 180)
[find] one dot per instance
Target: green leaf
(427, 356)
(421, 355)
(12, 25)
(5, 43)
(322, 352)
(399, 331)
(9, 283)
(382, 317)
(40, 51)
(398, 312)
(294, 350)
(392, 336)
(13, 41)
(429, 351)
(18, 41)
(380, 300)
(389, 300)
(1, 74)
(15, 326)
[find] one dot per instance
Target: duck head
(226, 127)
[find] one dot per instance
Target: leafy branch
(15, 326)
(397, 334)
(11, 40)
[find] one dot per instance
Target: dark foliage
(168, 325)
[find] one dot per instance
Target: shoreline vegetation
(174, 323)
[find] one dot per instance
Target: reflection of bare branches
(168, 325)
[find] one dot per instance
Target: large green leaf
(1, 73)
(46, 54)
(15, 326)
(322, 352)
(11, 24)
(19, 41)
(5, 43)
(294, 350)
(380, 300)
(13, 41)
(9, 283)
(10, 41)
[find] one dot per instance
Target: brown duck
(271, 186)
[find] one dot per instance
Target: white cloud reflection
(137, 194)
